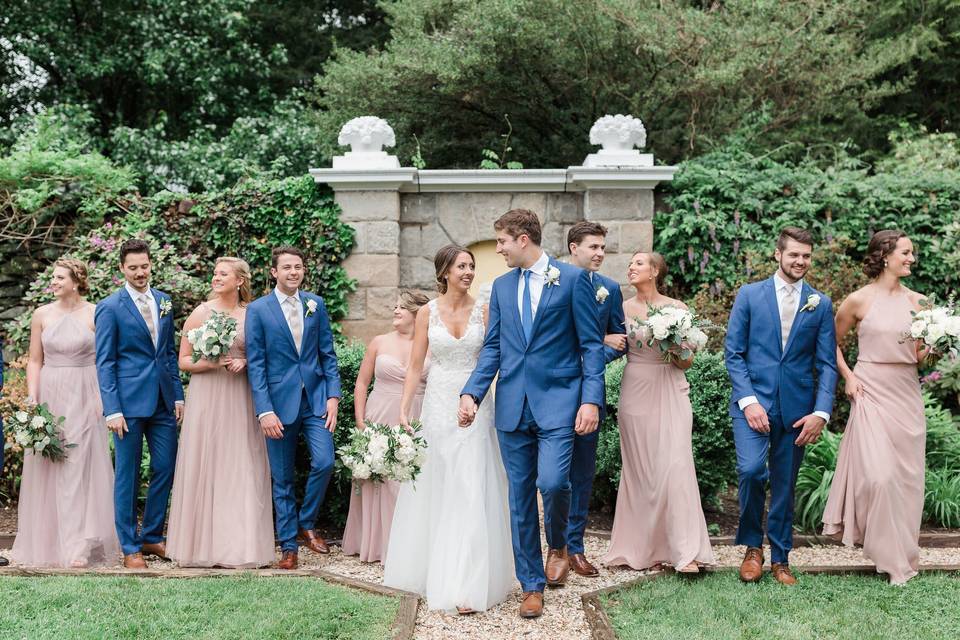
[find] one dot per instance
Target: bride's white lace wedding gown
(450, 538)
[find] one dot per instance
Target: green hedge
(713, 451)
(732, 202)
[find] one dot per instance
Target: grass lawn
(718, 606)
(59, 607)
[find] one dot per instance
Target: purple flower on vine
(683, 265)
(736, 217)
(931, 377)
(696, 206)
(690, 255)
(736, 246)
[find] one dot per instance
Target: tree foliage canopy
(692, 70)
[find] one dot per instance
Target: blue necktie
(526, 313)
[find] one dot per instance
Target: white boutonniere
(552, 277)
(165, 306)
(311, 307)
(813, 301)
(602, 294)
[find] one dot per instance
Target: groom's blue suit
(789, 383)
(542, 384)
(142, 382)
(294, 386)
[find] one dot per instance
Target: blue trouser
(534, 459)
(582, 470)
(160, 430)
(762, 457)
(282, 454)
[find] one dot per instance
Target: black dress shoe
(3, 561)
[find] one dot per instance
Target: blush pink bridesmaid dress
(65, 515)
(876, 499)
(372, 503)
(658, 518)
(221, 513)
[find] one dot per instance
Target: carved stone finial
(367, 136)
(618, 135)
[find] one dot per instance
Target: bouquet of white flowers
(937, 327)
(37, 430)
(677, 332)
(383, 452)
(213, 338)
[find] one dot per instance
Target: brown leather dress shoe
(531, 604)
(751, 569)
(582, 566)
(558, 566)
(134, 561)
(781, 572)
(158, 549)
(310, 539)
(288, 561)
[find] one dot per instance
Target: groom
(142, 398)
(292, 369)
(781, 358)
(544, 338)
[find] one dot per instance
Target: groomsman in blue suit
(142, 398)
(586, 242)
(781, 355)
(544, 339)
(292, 368)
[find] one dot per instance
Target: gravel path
(563, 617)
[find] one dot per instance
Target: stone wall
(399, 233)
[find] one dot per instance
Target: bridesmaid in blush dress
(876, 499)
(372, 503)
(65, 516)
(658, 519)
(221, 511)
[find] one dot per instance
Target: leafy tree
(180, 89)
(691, 69)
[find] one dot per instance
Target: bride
(450, 538)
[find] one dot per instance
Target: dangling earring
(885, 264)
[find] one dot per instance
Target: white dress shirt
(154, 313)
(538, 276)
(282, 298)
(781, 287)
(155, 316)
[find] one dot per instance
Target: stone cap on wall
(412, 180)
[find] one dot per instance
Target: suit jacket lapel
(281, 319)
(800, 317)
(770, 295)
(511, 313)
(545, 297)
(130, 306)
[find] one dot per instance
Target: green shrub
(814, 480)
(337, 501)
(713, 451)
(732, 202)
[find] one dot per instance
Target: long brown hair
(445, 258)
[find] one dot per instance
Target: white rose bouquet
(37, 430)
(676, 332)
(384, 452)
(938, 327)
(213, 338)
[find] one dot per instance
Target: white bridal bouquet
(937, 327)
(385, 452)
(38, 431)
(678, 333)
(213, 338)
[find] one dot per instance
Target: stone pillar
(375, 261)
